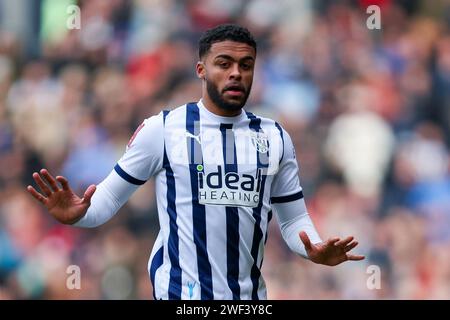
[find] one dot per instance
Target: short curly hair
(224, 32)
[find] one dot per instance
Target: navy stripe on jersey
(292, 197)
(282, 139)
(198, 210)
(255, 124)
(232, 216)
(127, 177)
(173, 242)
(157, 262)
(269, 217)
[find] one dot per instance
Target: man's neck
(213, 108)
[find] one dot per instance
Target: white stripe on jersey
(216, 215)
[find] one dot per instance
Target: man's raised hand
(332, 252)
(62, 203)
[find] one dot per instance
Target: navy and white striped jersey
(216, 178)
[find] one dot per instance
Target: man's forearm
(294, 218)
(110, 196)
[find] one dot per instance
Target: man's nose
(235, 72)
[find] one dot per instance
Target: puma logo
(196, 138)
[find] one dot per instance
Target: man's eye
(224, 64)
(246, 66)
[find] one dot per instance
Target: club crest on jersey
(260, 141)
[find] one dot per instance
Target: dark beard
(217, 99)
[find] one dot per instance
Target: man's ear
(201, 71)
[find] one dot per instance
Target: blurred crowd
(368, 111)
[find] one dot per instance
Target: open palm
(62, 203)
(332, 252)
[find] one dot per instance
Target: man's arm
(296, 226)
(293, 218)
(299, 233)
(111, 195)
(141, 160)
(98, 205)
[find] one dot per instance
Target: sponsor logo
(231, 189)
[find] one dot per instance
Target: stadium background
(368, 111)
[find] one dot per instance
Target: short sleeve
(286, 183)
(143, 156)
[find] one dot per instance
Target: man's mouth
(235, 90)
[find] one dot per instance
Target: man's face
(228, 71)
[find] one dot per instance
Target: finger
(355, 257)
(332, 241)
(305, 239)
(89, 193)
(39, 197)
(351, 246)
(49, 178)
(44, 188)
(345, 241)
(64, 183)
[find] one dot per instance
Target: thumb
(305, 239)
(89, 193)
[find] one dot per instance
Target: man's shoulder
(265, 120)
(169, 114)
(175, 109)
(165, 113)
